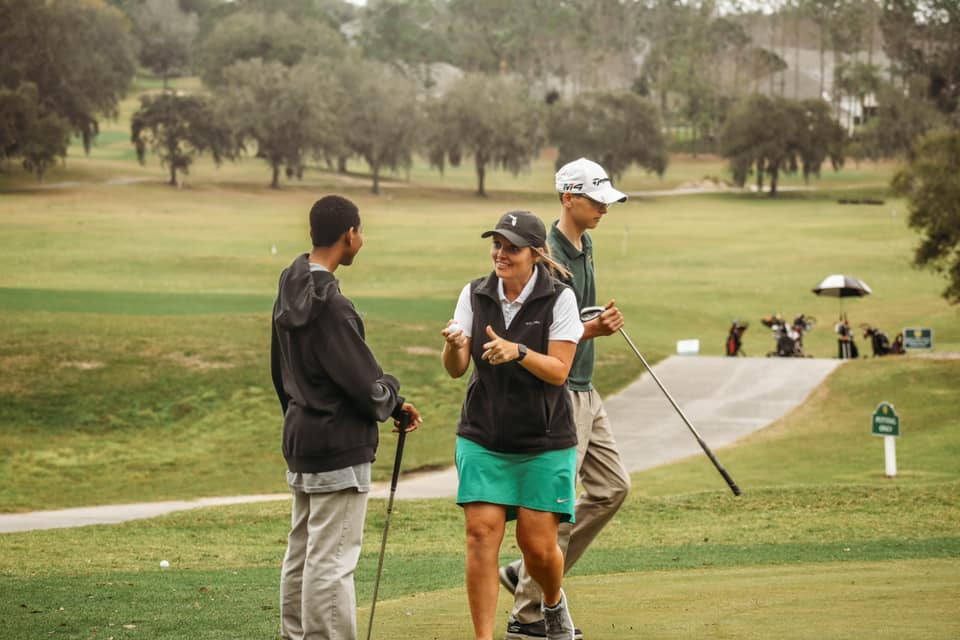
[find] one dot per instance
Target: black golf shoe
(532, 631)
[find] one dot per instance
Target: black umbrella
(841, 286)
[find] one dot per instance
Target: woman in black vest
(516, 439)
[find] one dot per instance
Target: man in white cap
(585, 193)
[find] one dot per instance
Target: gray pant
(605, 483)
(317, 597)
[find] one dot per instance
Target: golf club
(590, 313)
(401, 438)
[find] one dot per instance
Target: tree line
(325, 81)
(295, 82)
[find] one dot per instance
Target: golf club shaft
(401, 438)
(700, 441)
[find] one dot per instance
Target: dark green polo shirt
(580, 264)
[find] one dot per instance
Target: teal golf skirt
(541, 481)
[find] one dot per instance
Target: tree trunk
(172, 157)
(774, 174)
(342, 164)
(481, 176)
(736, 74)
(275, 183)
(375, 167)
(837, 102)
(759, 176)
(664, 103)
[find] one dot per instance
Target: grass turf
(135, 327)
(142, 312)
(819, 537)
(807, 560)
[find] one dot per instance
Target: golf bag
(881, 343)
(846, 347)
(788, 339)
(735, 338)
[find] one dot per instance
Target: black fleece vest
(507, 408)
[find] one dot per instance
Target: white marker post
(890, 456)
(886, 423)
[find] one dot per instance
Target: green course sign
(886, 422)
(914, 338)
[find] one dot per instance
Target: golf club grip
(401, 438)
(716, 463)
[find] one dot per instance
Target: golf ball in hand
(164, 564)
(453, 328)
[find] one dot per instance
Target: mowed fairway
(136, 317)
(134, 367)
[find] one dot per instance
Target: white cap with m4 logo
(587, 178)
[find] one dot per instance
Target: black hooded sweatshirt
(330, 386)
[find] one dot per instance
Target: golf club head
(590, 313)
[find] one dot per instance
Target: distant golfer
(333, 393)
(516, 440)
(585, 193)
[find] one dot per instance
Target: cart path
(724, 398)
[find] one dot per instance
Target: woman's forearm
(550, 369)
(455, 359)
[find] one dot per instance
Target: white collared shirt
(566, 317)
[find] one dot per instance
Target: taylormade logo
(513, 219)
(599, 181)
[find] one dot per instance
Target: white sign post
(890, 456)
(886, 423)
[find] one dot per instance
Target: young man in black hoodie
(333, 393)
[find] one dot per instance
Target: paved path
(724, 399)
(112, 514)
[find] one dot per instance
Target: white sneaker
(559, 624)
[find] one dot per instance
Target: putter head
(590, 313)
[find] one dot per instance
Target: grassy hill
(134, 358)
(137, 316)
(820, 544)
